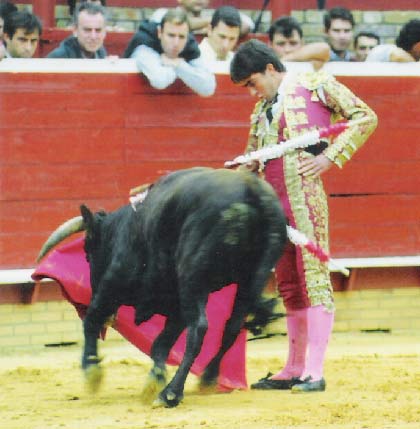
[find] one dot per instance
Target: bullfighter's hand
(314, 166)
(252, 166)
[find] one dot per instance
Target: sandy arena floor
(373, 381)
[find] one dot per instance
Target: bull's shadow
(196, 231)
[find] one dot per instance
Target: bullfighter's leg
(161, 347)
(97, 314)
(173, 393)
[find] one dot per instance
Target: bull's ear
(87, 216)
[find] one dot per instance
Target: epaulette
(313, 80)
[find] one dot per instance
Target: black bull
(196, 231)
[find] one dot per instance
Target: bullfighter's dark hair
(338, 13)
(409, 35)
(227, 14)
(22, 19)
(253, 57)
(285, 26)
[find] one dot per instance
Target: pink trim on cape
(68, 266)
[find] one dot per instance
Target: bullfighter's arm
(346, 105)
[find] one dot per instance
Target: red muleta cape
(68, 266)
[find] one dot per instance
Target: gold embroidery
(297, 102)
(309, 206)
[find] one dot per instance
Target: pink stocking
(297, 333)
(320, 323)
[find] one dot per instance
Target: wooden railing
(86, 131)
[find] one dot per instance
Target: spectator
(197, 21)
(339, 24)
(364, 42)
(22, 31)
(406, 48)
(88, 36)
(6, 8)
(169, 51)
(290, 105)
(222, 36)
(286, 38)
(72, 4)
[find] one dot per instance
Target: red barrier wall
(72, 138)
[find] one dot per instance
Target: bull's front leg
(173, 393)
(156, 380)
(94, 321)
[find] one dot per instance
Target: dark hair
(6, 8)
(338, 13)
(284, 25)
(90, 8)
(368, 34)
(253, 57)
(26, 20)
(227, 14)
(176, 16)
(409, 35)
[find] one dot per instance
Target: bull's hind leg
(250, 286)
(96, 317)
(173, 393)
(156, 379)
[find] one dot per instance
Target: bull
(196, 231)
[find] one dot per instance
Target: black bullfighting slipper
(267, 383)
(309, 386)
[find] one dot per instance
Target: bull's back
(207, 193)
(213, 211)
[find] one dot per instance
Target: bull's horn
(68, 228)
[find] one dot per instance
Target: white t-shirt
(381, 53)
(209, 56)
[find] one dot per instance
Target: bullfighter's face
(264, 85)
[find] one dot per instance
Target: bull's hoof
(167, 399)
(155, 382)
(93, 378)
(207, 385)
(209, 377)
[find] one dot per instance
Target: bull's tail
(262, 313)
